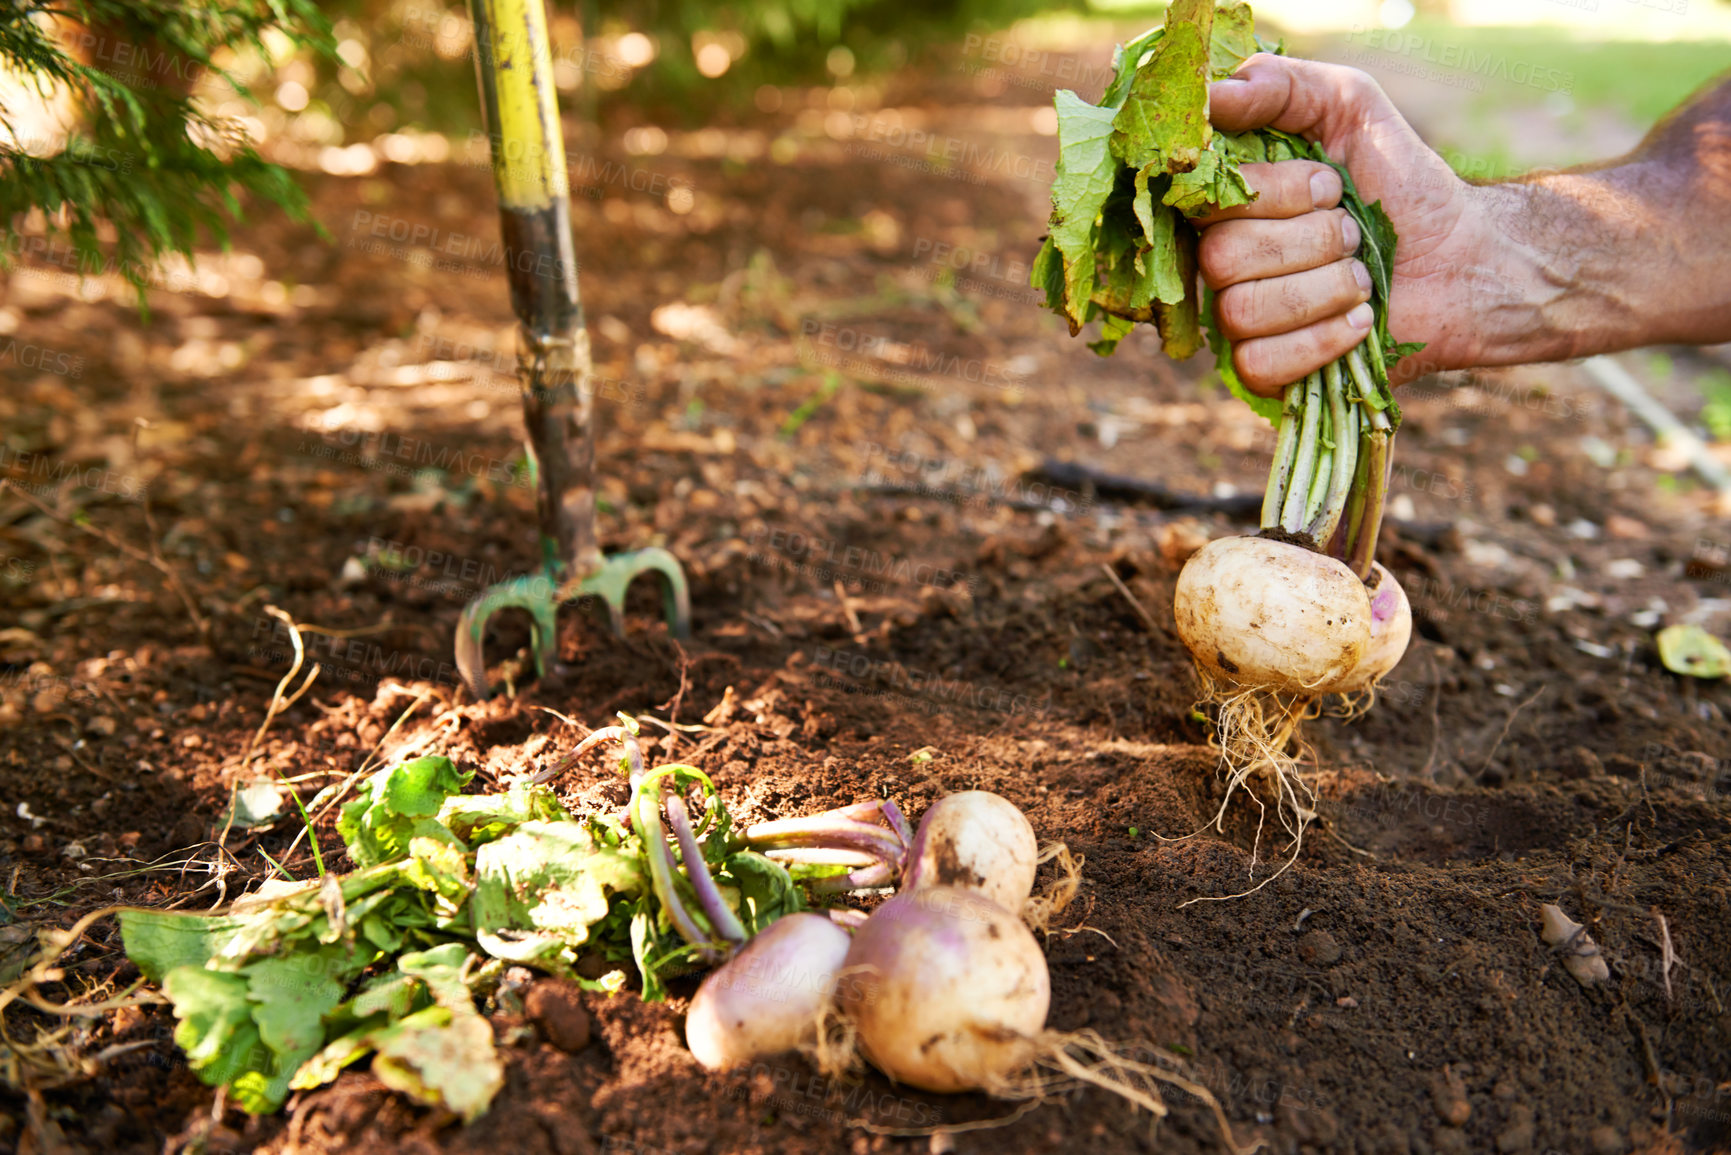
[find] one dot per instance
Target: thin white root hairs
(1252, 730)
(1040, 909)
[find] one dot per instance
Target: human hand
(1288, 292)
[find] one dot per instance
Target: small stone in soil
(556, 1009)
(1448, 1094)
(1318, 948)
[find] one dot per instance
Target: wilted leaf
(159, 941)
(257, 803)
(478, 818)
(441, 1058)
(1233, 40)
(540, 889)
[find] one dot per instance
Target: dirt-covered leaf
(539, 890)
(1164, 120)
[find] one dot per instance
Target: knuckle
(1292, 299)
(1358, 88)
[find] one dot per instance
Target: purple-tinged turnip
(948, 990)
(768, 997)
(977, 840)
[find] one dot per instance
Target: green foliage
(301, 980)
(396, 805)
(164, 174)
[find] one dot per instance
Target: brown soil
(1389, 994)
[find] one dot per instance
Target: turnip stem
(828, 832)
(646, 818)
(1319, 486)
(720, 915)
(865, 878)
(1285, 446)
(1361, 551)
(1367, 389)
(1346, 435)
(1298, 488)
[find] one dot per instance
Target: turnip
(948, 990)
(976, 840)
(1259, 612)
(768, 997)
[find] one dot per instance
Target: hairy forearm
(1634, 252)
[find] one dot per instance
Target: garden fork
(514, 66)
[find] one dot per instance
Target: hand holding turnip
(1277, 621)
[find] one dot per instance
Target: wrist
(1522, 289)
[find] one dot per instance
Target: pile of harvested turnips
(943, 984)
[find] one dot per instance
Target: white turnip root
(1266, 614)
(768, 997)
(977, 840)
(948, 991)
